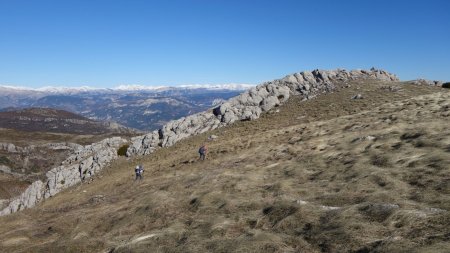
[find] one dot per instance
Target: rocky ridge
(250, 104)
(81, 165)
(429, 82)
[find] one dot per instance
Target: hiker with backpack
(203, 151)
(139, 170)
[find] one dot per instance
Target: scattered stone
(141, 238)
(358, 96)
(212, 137)
(433, 210)
(301, 202)
(370, 138)
(329, 208)
(96, 199)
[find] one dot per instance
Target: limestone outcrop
(250, 105)
(81, 165)
(8, 147)
(427, 82)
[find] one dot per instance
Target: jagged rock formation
(427, 82)
(249, 105)
(84, 163)
(8, 147)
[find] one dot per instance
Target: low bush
(122, 151)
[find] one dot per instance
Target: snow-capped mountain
(136, 106)
(126, 87)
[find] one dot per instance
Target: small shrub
(378, 212)
(380, 161)
(278, 212)
(411, 135)
(122, 151)
(4, 160)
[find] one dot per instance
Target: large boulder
(29, 198)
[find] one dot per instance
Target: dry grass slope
(327, 175)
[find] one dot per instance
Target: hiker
(141, 170)
(203, 151)
(138, 170)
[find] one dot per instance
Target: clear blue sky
(103, 43)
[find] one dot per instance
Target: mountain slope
(56, 121)
(332, 174)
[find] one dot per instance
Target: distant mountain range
(140, 107)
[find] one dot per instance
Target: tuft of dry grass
(306, 179)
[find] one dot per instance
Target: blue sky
(104, 43)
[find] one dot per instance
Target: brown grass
(306, 179)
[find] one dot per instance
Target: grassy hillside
(25, 138)
(57, 121)
(333, 174)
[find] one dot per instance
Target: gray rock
(213, 137)
(8, 147)
(427, 82)
(3, 203)
(249, 105)
(269, 103)
(358, 96)
(5, 169)
(29, 198)
(81, 165)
